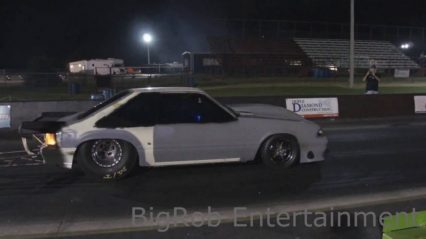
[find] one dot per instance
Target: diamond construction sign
(314, 107)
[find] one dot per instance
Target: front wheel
(280, 151)
(107, 158)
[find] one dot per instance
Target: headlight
(50, 139)
(65, 137)
(59, 137)
(320, 132)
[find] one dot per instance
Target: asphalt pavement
(371, 164)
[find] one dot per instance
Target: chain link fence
(23, 86)
(33, 86)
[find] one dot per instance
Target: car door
(191, 128)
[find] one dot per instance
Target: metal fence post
(352, 46)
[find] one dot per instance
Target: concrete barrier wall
(25, 111)
(350, 106)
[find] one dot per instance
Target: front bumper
(50, 154)
(36, 143)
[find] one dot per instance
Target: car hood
(265, 111)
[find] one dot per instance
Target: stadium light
(406, 46)
(147, 39)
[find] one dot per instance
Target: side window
(190, 108)
(137, 112)
(211, 112)
(176, 108)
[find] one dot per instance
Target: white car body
(236, 140)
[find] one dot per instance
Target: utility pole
(147, 38)
(149, 57)
(352, 46)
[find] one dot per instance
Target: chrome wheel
(106, 153)
(282, 150)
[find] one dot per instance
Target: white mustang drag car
(173, 126)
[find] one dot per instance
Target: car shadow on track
(219, 185)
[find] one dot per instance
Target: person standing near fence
(372, 81)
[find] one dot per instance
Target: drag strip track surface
(18, 158)
(360, 161)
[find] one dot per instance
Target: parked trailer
(109, 66)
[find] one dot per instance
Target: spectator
(372, 81)
(422, 60)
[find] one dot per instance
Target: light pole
(147, 38)
(352, 47)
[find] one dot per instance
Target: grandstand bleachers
(252, 57)
(255, 46)
(335, 52)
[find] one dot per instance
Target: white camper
(110, 66)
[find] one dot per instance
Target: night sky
(58, 31)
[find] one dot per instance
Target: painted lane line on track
(20, 165)
(10, 158)
(377, 152)
(370, 126)
(66, 228)
(12, 152)
(21, 159)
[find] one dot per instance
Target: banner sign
(314, 107)
(4, 116)
(420, 104)
(402, 73)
